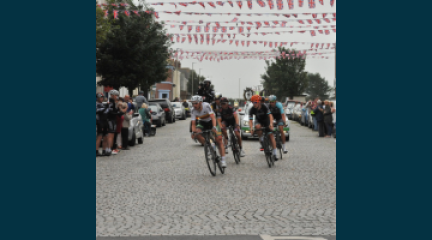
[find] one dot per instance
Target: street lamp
(192, 93)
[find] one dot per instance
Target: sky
(231, 77)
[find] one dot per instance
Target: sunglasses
(195, 103)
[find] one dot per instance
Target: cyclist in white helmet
(207, 121)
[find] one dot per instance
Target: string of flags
(262, 3)
(258, 23)
(207, 38)
(178, 13)
(219, 56)
(224, 29)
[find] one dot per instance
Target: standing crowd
(113, 121)
(322, 115)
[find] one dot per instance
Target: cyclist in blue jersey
(277, 111)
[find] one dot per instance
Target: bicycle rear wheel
(210, 158)
(268, 153)
(235, 148)
(279, 145)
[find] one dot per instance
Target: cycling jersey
(262, 115)
(204, 114)
(226, 114)
(277, 111)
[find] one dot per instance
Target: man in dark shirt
(264, 121)
(227, 116)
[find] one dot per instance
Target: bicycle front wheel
(210, 158)
(235, 149)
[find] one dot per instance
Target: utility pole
(192, 93)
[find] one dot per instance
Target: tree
(285, 77)
(317, 87)
(196, 80)
(102, 26)
(135, 51)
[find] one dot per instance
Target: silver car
(136, 130)
(180, 112)
(157, 114)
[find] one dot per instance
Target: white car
(180, 112)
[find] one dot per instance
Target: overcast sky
(225, 74)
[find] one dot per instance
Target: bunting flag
(258, 25)
(231, 3)
(212, 4)
(220, 3)
(239, 3)
(136, 12)
(189, 28)
(279, 4)
(332, 2)
(311, 3)
(322, 2)
(313, 33)
(202, 4)
(106, 13)
(249, 3)
(291, 4)
(270, 3)
(198, 29)
(261, 3)
(156, 14)
(127, 13)
(115, 14)
(300, 3)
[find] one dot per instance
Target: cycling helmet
(255, 98)
(196, 99)
(218, 96)
(272, 98)
(207, 80)
(224, 100)
(114, 92)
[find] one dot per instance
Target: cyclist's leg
(224, 132)
(199, 128)
(281, 126)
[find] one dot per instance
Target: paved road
(163, 187)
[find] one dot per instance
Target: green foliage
(102, 26)
(135, 51)
(285, 77)
(317, 87)
(196, 80)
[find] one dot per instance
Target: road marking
(267, 237)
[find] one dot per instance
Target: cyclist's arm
(213, 119)
(279, 105)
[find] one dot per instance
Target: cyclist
(277, 111)
(206, 92)
(227, 116)
(264, 119)
(207, 121)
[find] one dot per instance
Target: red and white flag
(240, 4)
(300, 3)
(270, 3)
(291, 4)
(212, 4)
(249, 3)
(261, 3)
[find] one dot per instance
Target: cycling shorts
(233, 123)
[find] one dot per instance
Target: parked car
(297, 112)
(136, 130)
(289, 108)
(157, 114)
(167, 107)
(180, 112)
(244, 124)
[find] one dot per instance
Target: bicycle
(235, 146)
(268, 148)
(212, 156)
(278, 138)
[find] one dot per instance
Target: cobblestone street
(163, 187)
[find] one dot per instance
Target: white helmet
(196, 99)
(114, 92)
(207, 80)
(218, 96)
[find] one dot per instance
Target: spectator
(146, 118)
(125, 126)
(117, 137)
(130, 105)
(140, 99)
(328, 118)
(101, 124)
(319, 115)
(112, 112)
(315, 122)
